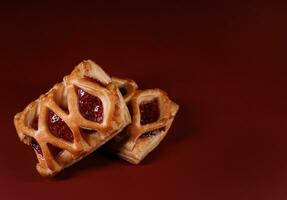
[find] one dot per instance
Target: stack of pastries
(89, 109)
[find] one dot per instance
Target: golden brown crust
(116, 117)
(129, 145)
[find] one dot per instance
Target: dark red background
(224, 63)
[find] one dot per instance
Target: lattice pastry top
(73, 119)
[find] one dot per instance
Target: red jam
(149, 111)
(35, 145)
(91, 107)
(59, 128)
(152, 133)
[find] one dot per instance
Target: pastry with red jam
(73, 119)
(152, 114)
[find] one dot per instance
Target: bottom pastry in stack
(152, 114)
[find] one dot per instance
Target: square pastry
(152, 115)
(73, 119)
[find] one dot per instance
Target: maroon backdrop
(223, 63)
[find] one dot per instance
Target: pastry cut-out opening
(35, 145)
(32, 116)
(152, 133)
(60, 98)
(87, 134)
(90, 106)
(34, 123)
(149, 111)
(58, 127)
(123, 90)
(87, 131)
(130, 108)
(55, 151)
(95, 81)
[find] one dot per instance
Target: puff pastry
(73, 119)
(152, 115)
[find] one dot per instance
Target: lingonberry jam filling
(149, 111)
(87, 131)
(58, 127)
(123, 90)
(34, 123)
(35, 145)
(55, 151)
(95, 81)
(152, 133)
(91, 107)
